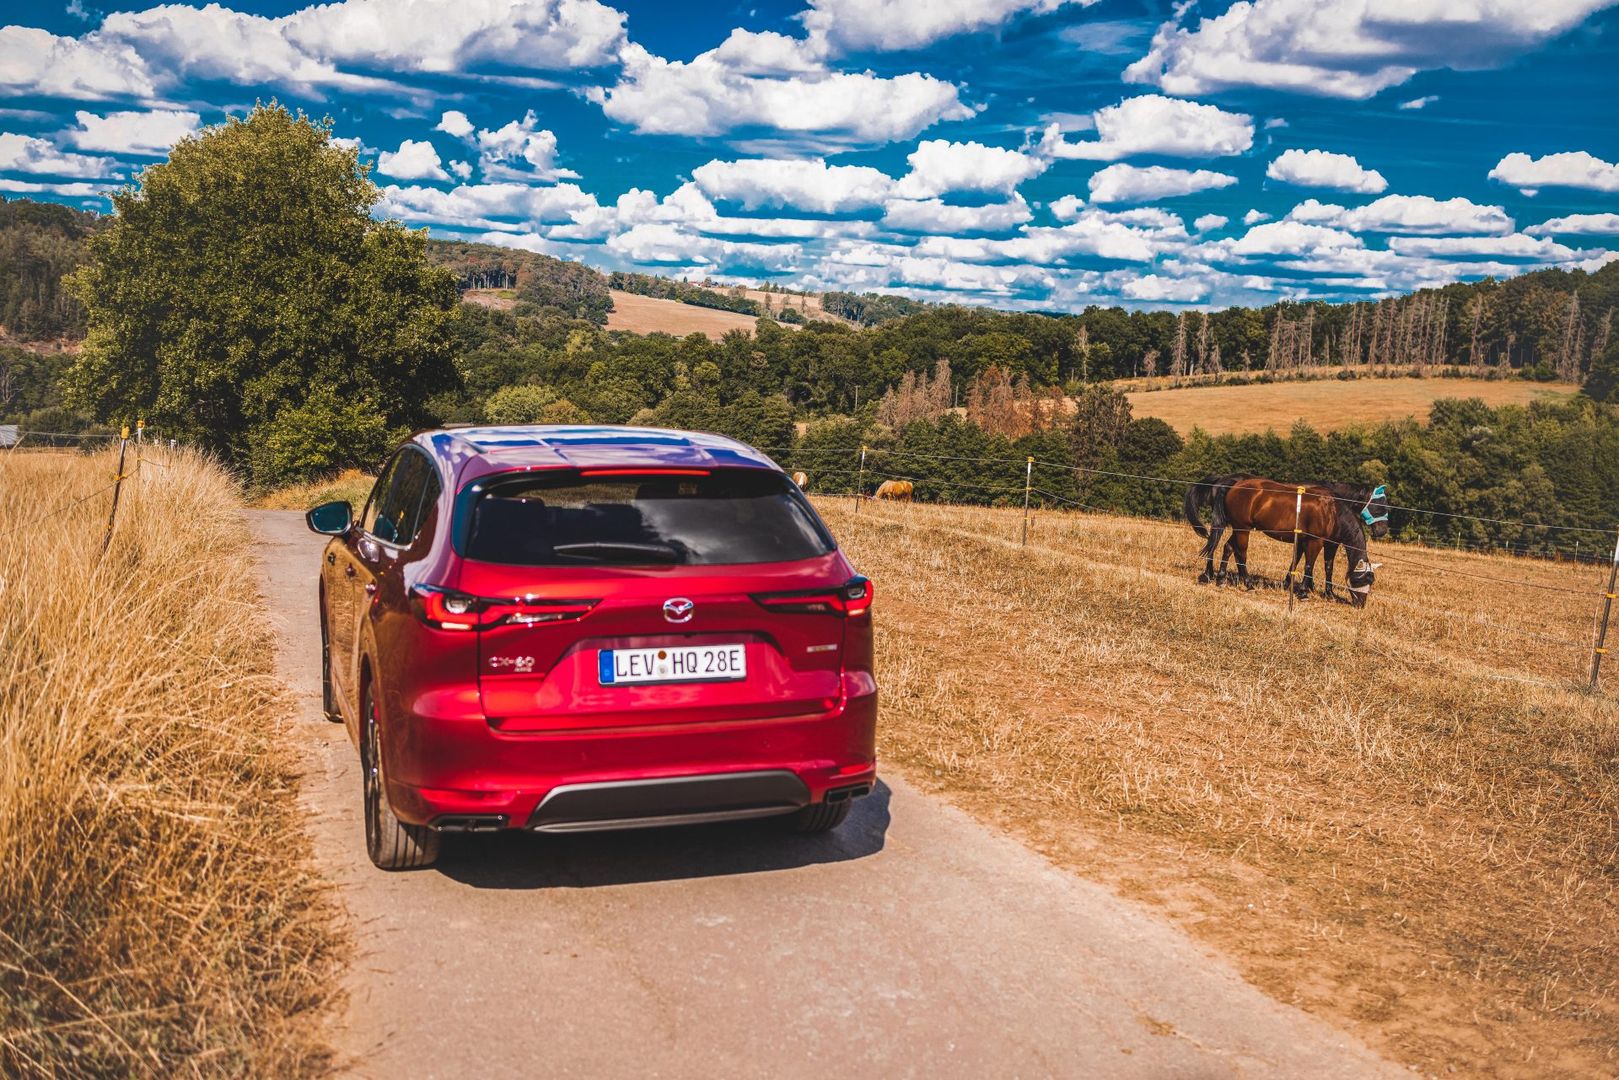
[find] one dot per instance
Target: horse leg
(1208, 554)
(1225, 556)
(1240, 541)
(1329, 552)
(1312, 549)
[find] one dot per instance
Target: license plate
(693, 663)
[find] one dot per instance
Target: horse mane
(1349, 530)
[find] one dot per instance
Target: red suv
(574, 628)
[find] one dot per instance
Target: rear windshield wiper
(616, 550)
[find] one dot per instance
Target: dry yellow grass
(1405, 817)
(1326, 404)
(159, 915)
(653, 315)
(351, 485)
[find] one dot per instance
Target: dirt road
(912, 942)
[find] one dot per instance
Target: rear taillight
(852, 598)
(447, 609)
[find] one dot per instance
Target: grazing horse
(1322, 519)
(800, 479)
(895, 490)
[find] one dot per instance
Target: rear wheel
(328, 700)
(391, 844)
(819, 817)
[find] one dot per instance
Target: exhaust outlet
(470, 823)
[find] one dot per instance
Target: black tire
(391, 844)
(820, 817)
(328, 700)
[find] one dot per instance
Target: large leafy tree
(243, 292)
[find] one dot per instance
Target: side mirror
(330, 519)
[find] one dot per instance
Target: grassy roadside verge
(159, 913)
(1404, 818)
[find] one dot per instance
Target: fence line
(879, 451)
(1447, 614)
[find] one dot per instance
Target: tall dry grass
(159, 914)
(1404, 817)
(351, 485)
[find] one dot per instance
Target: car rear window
(572, 519)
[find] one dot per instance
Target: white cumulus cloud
(1153, 124)
(939, 166)
(1210, 222)
(1578, 225)
(27, 154)
(1129, 183)
(487, 206)
(414, 160)
(1322, 168)
(520, 150)
(1157, 287)
(457, 35)
(1576, 169)
(708, 96)
(1407, 214)
(1347, 48)
(132, 132)
(806, 185)
(886, 25)
(455, 124)
(936, 216)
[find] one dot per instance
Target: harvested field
(1326, 404)
(652, 315)
(159, 914)
(1404, 818)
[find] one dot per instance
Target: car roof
(482, 450)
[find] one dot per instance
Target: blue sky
(1019, 153)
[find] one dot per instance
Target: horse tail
(1197, 497)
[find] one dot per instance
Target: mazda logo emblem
(678, 609)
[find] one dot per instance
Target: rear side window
(569, 519)
(399, 507)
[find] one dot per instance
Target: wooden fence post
(1607, 608)
(1028, 482)
(1298, 521)
(117, 487)
(860, 480)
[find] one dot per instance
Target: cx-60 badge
(678, 609)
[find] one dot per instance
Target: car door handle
(349, 570)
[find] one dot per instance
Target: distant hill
(572, 288)
(40, 243)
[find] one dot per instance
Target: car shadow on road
(513, 860)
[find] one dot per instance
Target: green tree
(531, 405)
(1602, 384)
(243, 287)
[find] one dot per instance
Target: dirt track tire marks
(909, 942)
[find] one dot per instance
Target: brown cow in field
(800, 479)
(895, 490)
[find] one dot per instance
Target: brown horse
(1319, 519)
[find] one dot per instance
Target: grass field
(650, 315)
(1326, 404)
(1405, 818)
(158, 911)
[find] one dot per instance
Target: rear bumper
(450, 768)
